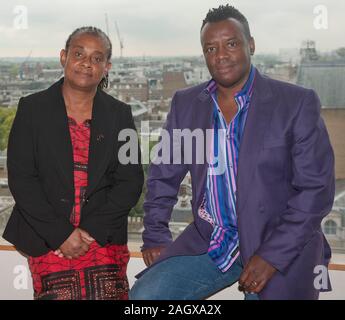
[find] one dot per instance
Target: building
(282, 72)
(334, 224)
(126, 90)
(289, 55)
(327, 78)
(335, 122)
(182, 211)
(197, 75)
(138, 110)
(173, 81)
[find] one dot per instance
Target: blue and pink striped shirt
(219, 204)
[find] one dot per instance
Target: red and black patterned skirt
(99, 275)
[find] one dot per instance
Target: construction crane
(120, 39)
(24, 69)
(107, 25)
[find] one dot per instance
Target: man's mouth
(225, 68)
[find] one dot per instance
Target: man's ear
(252, 45)
(63, 57)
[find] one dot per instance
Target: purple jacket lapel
(259, 117)
(203, 120)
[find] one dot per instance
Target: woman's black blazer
(40, 173)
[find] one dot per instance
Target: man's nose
(222, 54)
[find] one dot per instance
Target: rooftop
(327, 78)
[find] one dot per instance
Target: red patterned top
(80, 135)
(98, 275)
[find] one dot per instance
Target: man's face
(85, 63)
(227, 52)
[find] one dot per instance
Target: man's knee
(141, 290)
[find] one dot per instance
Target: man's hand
(75, 246)
(256, 274)
(150, 255)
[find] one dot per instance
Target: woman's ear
(63, 57)
(107, 68)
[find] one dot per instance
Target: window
(330, 227)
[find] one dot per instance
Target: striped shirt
(219, 204)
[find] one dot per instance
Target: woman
(72, 193)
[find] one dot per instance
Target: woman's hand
(76, 245)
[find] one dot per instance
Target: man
(258, 220)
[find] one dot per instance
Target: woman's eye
(97, 59)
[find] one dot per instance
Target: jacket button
(64, 200)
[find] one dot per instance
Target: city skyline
(161, 28)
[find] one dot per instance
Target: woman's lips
(84, 74)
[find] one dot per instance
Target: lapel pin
(100, 137)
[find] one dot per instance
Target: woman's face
(86, 61)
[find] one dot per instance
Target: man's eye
(210, 49)
(232, 44)
(78, 54)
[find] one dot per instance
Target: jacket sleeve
(25, 186)
(124, 193)
(163, 184)
(313, 181)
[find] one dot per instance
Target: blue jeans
(186, 278)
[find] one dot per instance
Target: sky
(165, 28)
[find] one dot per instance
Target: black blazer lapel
(58, 134)
(102, 140)
(259, 116)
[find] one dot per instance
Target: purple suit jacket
(285, 185)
